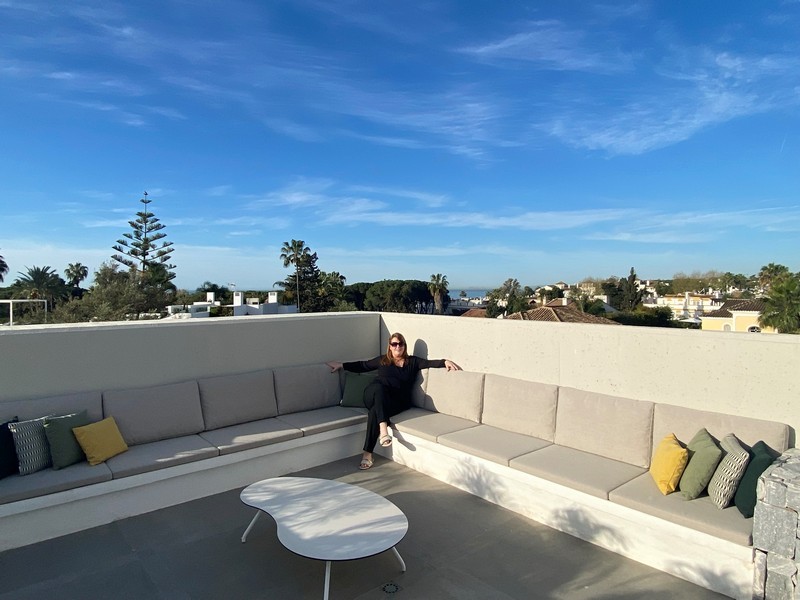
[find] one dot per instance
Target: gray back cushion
(456, 393)
(155, 413)
(91, 402)
(617, 428)
(685, 422)
(524, 407)
(306, 388)
(233, 399)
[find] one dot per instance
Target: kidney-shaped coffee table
(327, 520)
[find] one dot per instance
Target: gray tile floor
(457, 547)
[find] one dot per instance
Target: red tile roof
(560, 314)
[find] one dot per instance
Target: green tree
(145, 247)
(782, 306)
(114, 296)
(394, 295)
(438, 289)
(3, 268)
(304, 286)
(506, 299)
(291, 254)
(75, 273)
(43, 283)
(771, 274)
(356, 293)
(629, 293)
(331, 288)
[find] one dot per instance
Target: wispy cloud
(551, 45)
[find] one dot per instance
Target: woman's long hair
(388, 358)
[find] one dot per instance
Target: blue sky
(482, 140)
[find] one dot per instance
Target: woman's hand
(335, 366)
(451, 366)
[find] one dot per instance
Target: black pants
(382, 405)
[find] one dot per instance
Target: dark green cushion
(761, 457)
(704, 456)
(64, 447)
(354, 386)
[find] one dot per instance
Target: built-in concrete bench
(232, 429)
(578, 461)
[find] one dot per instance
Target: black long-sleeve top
(400, 380)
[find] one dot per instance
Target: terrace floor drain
(391, 588)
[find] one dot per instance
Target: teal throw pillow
(64, 447)
(354, 386)
(761, 457)
(704, 456)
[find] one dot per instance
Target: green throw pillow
(761, 457)
(354, 386)
(64, 447)
(704, 456)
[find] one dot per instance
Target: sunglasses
(396, 344)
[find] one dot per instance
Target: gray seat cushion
(524, 407)
(160, 454)
(701, 514)
(610, 426)
(155, 413)
(491, 443)
(685, 422)
(324, 419)
(91, 402)
(232, 399)
(19, 487)
(583, 471)
(429, 425)
(457, 393)
(250, 435)
(306, 388)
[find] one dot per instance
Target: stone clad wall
(776, 530)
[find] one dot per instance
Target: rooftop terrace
(457, 546)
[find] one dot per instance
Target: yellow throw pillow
(668, 464)
(100, 441)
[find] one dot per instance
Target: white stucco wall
(39, 361)
(751, 375)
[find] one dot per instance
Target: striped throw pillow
(729, 473)
(30, 441)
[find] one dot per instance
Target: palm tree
(770, 274)
(782, 307)
(3, 268)
(75, 273)
(41, 282)
(438, 288)
(291, 254)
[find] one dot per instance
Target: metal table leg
(400, 558)
(327, 579)
(249, 527)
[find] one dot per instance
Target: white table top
(328, 520)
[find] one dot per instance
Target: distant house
(736, 315)
(686, 307)
(557, 311)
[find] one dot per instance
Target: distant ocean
(456, 293)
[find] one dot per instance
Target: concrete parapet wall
(746, 374)
(37, 361)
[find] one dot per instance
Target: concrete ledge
(700, 558)
(37, 519)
